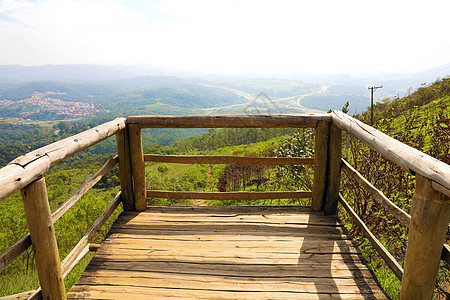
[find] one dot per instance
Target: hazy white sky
(320, 36)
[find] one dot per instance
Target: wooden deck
(227, 253)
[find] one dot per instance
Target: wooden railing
(430, 211)
(26, 174)
(430, 208)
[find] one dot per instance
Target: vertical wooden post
(138, 167)
(43, 239)
(430, 214)
(334, 170)
(320, 165)
(126, 183)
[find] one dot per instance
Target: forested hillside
(420, 120)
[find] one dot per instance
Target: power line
(373, 89)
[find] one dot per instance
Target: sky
(247, 36)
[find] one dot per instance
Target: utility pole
(373, 88)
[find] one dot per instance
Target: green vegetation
(420, 120)
(62, 181)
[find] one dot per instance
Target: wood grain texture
(31, 166)
(138, 167)
(408, 158)
(229, 121)
(334, 171)
(430, 214)
(42, 233)
(400, 214)
(125, 173)
(376, 244)
(227, 253)
(236, 160)
(320, 165)
(229, 195)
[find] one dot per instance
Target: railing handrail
(29, 167)
(408, 158)
(430, 207)
(229, 121)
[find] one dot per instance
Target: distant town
(43, 102)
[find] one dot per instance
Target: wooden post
(334, 170)
(138, 167)
(430, 214)
(320, 165)
(126, 183)
(43, 238)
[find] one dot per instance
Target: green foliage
(420, 120)
(62, 181)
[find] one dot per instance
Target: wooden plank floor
(227, 253)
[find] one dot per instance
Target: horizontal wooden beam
(384, 253)
(400, 214)
(408, 158)
(229, 195)
(236, 160)
(83, 245)
(88, 183)
(31, 166)
(229, 121)
(15, 251)
(19, 296)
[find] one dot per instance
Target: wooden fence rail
(232, 160)
(229, 121)
(31, 166)
(25, 174)
(430, 208)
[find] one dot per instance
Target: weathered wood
(31, 166)
(229, 121)
(45, 248)
(229, 283)
(76, 261)
(82, 247)
(228, 195)
(125, 173)
(138, 167)
(224, 261)
(384, 253)
(430, 214)
(441, 188)
(19, 296)
(400, 214)
(88, 183)
(138, 292)
(320, 165)
(15, 251)
(259, 210)
(408, 158)
(236, 160)
(334, 170)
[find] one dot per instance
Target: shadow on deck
(227, 253)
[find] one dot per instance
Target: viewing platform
(237, 252)
(231, 252)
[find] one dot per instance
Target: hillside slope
(421, 120)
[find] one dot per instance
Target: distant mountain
(148, 89)
(62, 73)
